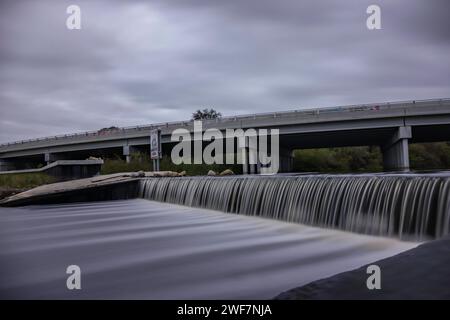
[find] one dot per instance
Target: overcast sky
(138, 62)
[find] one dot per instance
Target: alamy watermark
(374, 280)
(252, 147)
(373, 21)
(73, 281)
(73, 21)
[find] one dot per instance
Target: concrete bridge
(392, 126)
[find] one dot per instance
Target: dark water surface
(150, 250)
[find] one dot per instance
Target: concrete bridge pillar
(396, 151)
(253, 159)
(127, 151)
(251, 162)
(243, 156)
(50, 157)
(249, 155)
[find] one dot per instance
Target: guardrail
(297, 112)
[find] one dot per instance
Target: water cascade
(415, 207)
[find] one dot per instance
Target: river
(142, 249)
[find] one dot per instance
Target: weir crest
(411, 207)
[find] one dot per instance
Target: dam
(403, 205)
(234, 237)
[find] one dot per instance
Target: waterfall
(414, 207)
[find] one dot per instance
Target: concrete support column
(396, 151)
(248, 147)
(127, 151)
(258, 166)
(50, 157)
(253, 159)
(244, 157)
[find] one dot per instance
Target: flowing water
(406, 206)
(146, 249)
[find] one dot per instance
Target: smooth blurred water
(150, 250)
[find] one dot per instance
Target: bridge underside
(392, 137)
(393, 142)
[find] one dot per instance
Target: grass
(25, 180)
(198, 169)
(143, 162)
(338, 160)
(117, 165)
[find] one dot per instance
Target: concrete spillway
(404, 206)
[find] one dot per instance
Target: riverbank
(18, 182)
(419, 273)
(104, 187)
(8, 191)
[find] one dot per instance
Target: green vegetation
(25, 180)
(355, 159)
(138, 162)
(429, 156)
(198, 169)
(423, 156)
(141, 161)
(206, 114)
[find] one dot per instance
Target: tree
(109, 130)
(206, 114)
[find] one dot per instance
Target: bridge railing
(226, 119)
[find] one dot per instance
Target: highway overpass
(392, 126)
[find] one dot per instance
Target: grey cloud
(138, 62)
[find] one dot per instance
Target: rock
(163, 174)
(7, 191)
(137, 174)
(227, 172)
(211, 173)
(182, 173)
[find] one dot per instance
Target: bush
(198, 169)
(428, 156)
(423, 156)
(348, 159)
(138, 162)
(141, 161)
(25, 180)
